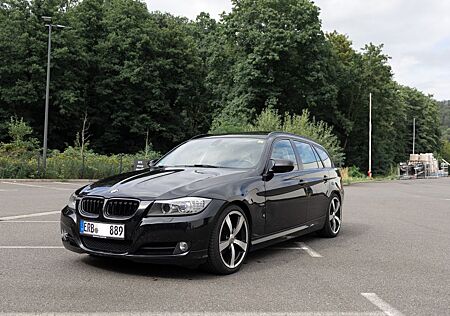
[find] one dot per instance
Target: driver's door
(286, 197)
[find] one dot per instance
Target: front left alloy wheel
(229, 242)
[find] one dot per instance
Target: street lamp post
(48, 20)
(369, 172)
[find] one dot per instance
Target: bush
(20, 158)
(21, 143)
(69, 165)
(14, 167)
(354, 172)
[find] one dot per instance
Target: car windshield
(218, 152)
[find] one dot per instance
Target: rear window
(324, 156)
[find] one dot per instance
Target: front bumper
(147, 239)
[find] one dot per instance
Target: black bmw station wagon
(209, 201)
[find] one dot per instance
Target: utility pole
(48, 20)
(414, 135)
(369, 173)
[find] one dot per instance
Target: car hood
(165, 183)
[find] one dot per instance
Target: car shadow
(145, 269)
(256, 260)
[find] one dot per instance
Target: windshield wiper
(199, 166)
(157, 167)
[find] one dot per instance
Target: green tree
(444, 110)
(270, 52)
(21, 143)
(445, 152)
(426, 112)
(18, 130)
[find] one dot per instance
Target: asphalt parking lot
(391, 258)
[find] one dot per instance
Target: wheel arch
(338, 193)
(246, 210)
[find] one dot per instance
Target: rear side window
(318, 159)
(306, 154)
(282, 149)
(324, 156)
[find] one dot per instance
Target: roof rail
(237, 133)
(292, 134)
(244, 133)
(199, 136)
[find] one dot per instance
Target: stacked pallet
(427, 159)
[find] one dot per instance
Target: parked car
(209, 201)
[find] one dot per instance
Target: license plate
(102, 230)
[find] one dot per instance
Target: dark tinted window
(282, 149)
(306, 153)
(324, 156)
(318, 159)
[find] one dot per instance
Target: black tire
(218, 262)
(333, 224)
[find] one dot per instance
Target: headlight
(72, 201)
(182, 206)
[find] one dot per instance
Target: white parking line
(202, 314)
(38, 186)
(309, 250)
(301, 246)
(71, 183)
(6, 218)
(382, 305)
(31, 247)
(285, 248)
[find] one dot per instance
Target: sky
(415, 33)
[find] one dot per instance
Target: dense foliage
(136, 75)
(444, 108)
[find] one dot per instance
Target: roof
(259, 134)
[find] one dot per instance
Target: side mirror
(152, 163)
(281, 165)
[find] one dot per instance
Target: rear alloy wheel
(334, 218)
(230, 242)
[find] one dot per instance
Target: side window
(306, 153)
(324, 156)
(318, 159)
(282, 149)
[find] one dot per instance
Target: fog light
(183, 246)
(64, 235)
